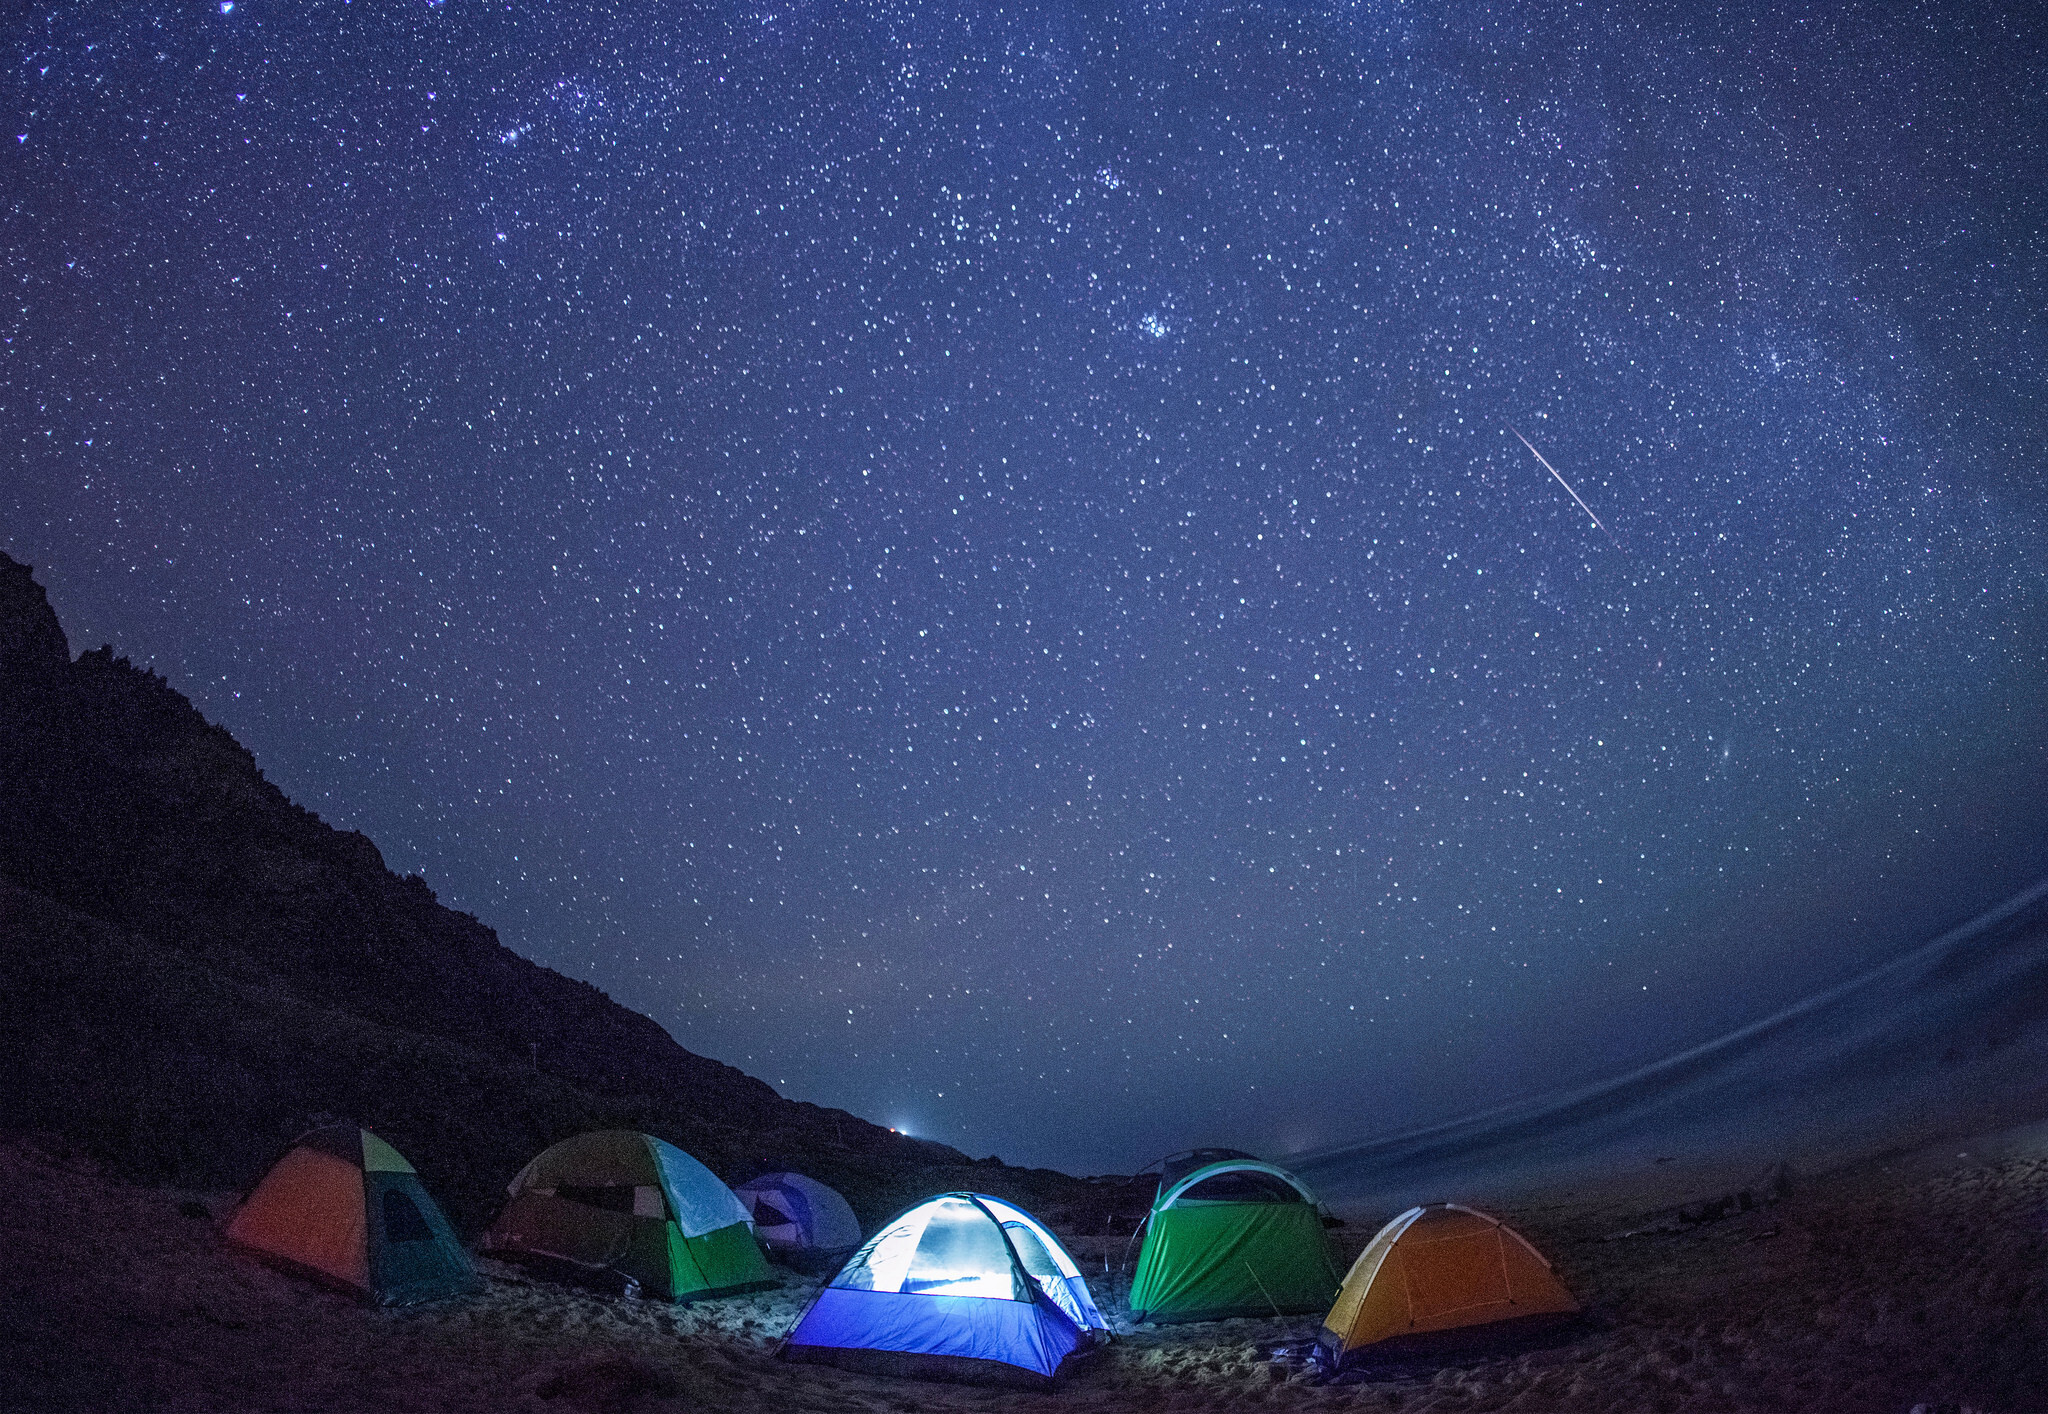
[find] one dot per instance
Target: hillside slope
(199, 968)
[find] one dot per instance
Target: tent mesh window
(1242, 1186)
(949, 1247)
(612, 1197)
(767, 1214)
(962, 1253)
(402, 1220)
(1043, 1270)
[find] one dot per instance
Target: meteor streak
(1567, 486)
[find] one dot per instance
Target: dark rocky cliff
(196, 967)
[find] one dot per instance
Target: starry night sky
(973, 562)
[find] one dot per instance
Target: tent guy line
(1567, 487)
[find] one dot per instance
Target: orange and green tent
(346, 1209)
(631, 1208)
(1433, 1273)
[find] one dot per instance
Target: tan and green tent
(1431, 1275)
(631, 1208)
(345, 1209)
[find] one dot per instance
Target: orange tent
(1437, 1268)
(346, 1209)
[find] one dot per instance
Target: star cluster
(980, 563)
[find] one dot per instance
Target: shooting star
(1567, 487)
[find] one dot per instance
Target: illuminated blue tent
(963, 1286)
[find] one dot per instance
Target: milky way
(972, 562)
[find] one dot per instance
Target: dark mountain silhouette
(196, 968)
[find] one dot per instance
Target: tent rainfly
(1435, 1271)
(345, 1209)
(635, 1209)
(961, 1286)
(1232, 1237)
(800, 1220)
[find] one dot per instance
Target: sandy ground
(1895, 1285)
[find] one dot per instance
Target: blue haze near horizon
(976, 563)
(1948, 1040)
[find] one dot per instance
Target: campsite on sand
(253, 1164)
(1892, 1284)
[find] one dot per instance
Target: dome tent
(960, 1286)
(800, 1220)
(634, 1208)
(1231, 1237)
(346, 1209)
(1433, 1273)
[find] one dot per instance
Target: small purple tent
(800, 1220)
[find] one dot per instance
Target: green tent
(634, 1209)
(346, 1209)
(1233, 1237)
